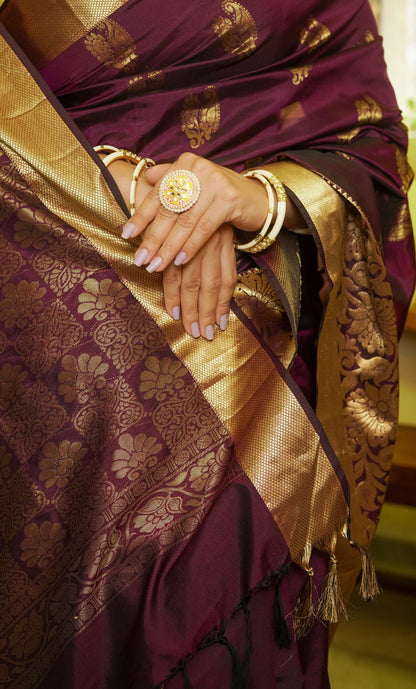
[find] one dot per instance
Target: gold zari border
(276, 443)
(70, 19)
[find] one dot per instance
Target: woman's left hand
(226, 197)
(200, 291)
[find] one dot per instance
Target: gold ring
(179, 190)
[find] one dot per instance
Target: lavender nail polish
(195, 329)
(128, 230)
(224, 321)
(209, 332)
(141, 257)
(154, 264)
(176, 312)
(180, 258)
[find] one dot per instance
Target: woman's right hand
(199, 292)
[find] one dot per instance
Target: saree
(178, 513)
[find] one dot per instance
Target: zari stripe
(70, 19)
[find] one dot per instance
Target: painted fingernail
(224, 321)
(176, 312)
(209, 332)
(128, 230)
(180, 258)
(154, 264)
(195, 330)
(140, 257)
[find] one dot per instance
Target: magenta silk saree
(179, 513)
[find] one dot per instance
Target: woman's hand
(200, 291)
(226, 198)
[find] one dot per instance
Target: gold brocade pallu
(162, 497)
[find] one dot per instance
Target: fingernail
(224, 321)
(176, 312)
(154, 264)
(195, 330)
(128, 230)
(209, 332)
(140, 257)
(180, 258)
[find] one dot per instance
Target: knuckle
(185, 221)
(205, 227)
(187, 159)
(192, 285)
(213, 286)
(165, 214)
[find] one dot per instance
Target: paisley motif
(237, 31)
(404, 170)
(314, 34)
(368, 110)
(200, 117)
(403, 226)
(151, 82)
(112, 45)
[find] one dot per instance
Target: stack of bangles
(113, 154)
(188, 191)
(275, 216)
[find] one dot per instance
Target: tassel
(281, 632)
(331, 606)
(369, 586)
(238, 681)
(303, 614)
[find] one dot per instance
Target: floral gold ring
(179, 190)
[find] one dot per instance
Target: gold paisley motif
(404, 170)
(153, 81)
(201, 116)
(48, 337)
(237, 32)
(314, 34)
(112, 45)
(22, 402)
(300, 74)
(403, 226)
(369, 112)
(113, 409)
(349, 135)
(10, 260)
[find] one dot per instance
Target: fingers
(200, 291)
(225, 196)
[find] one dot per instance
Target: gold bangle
(266, 237)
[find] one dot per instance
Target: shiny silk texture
(137, 551)
(159, 93)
